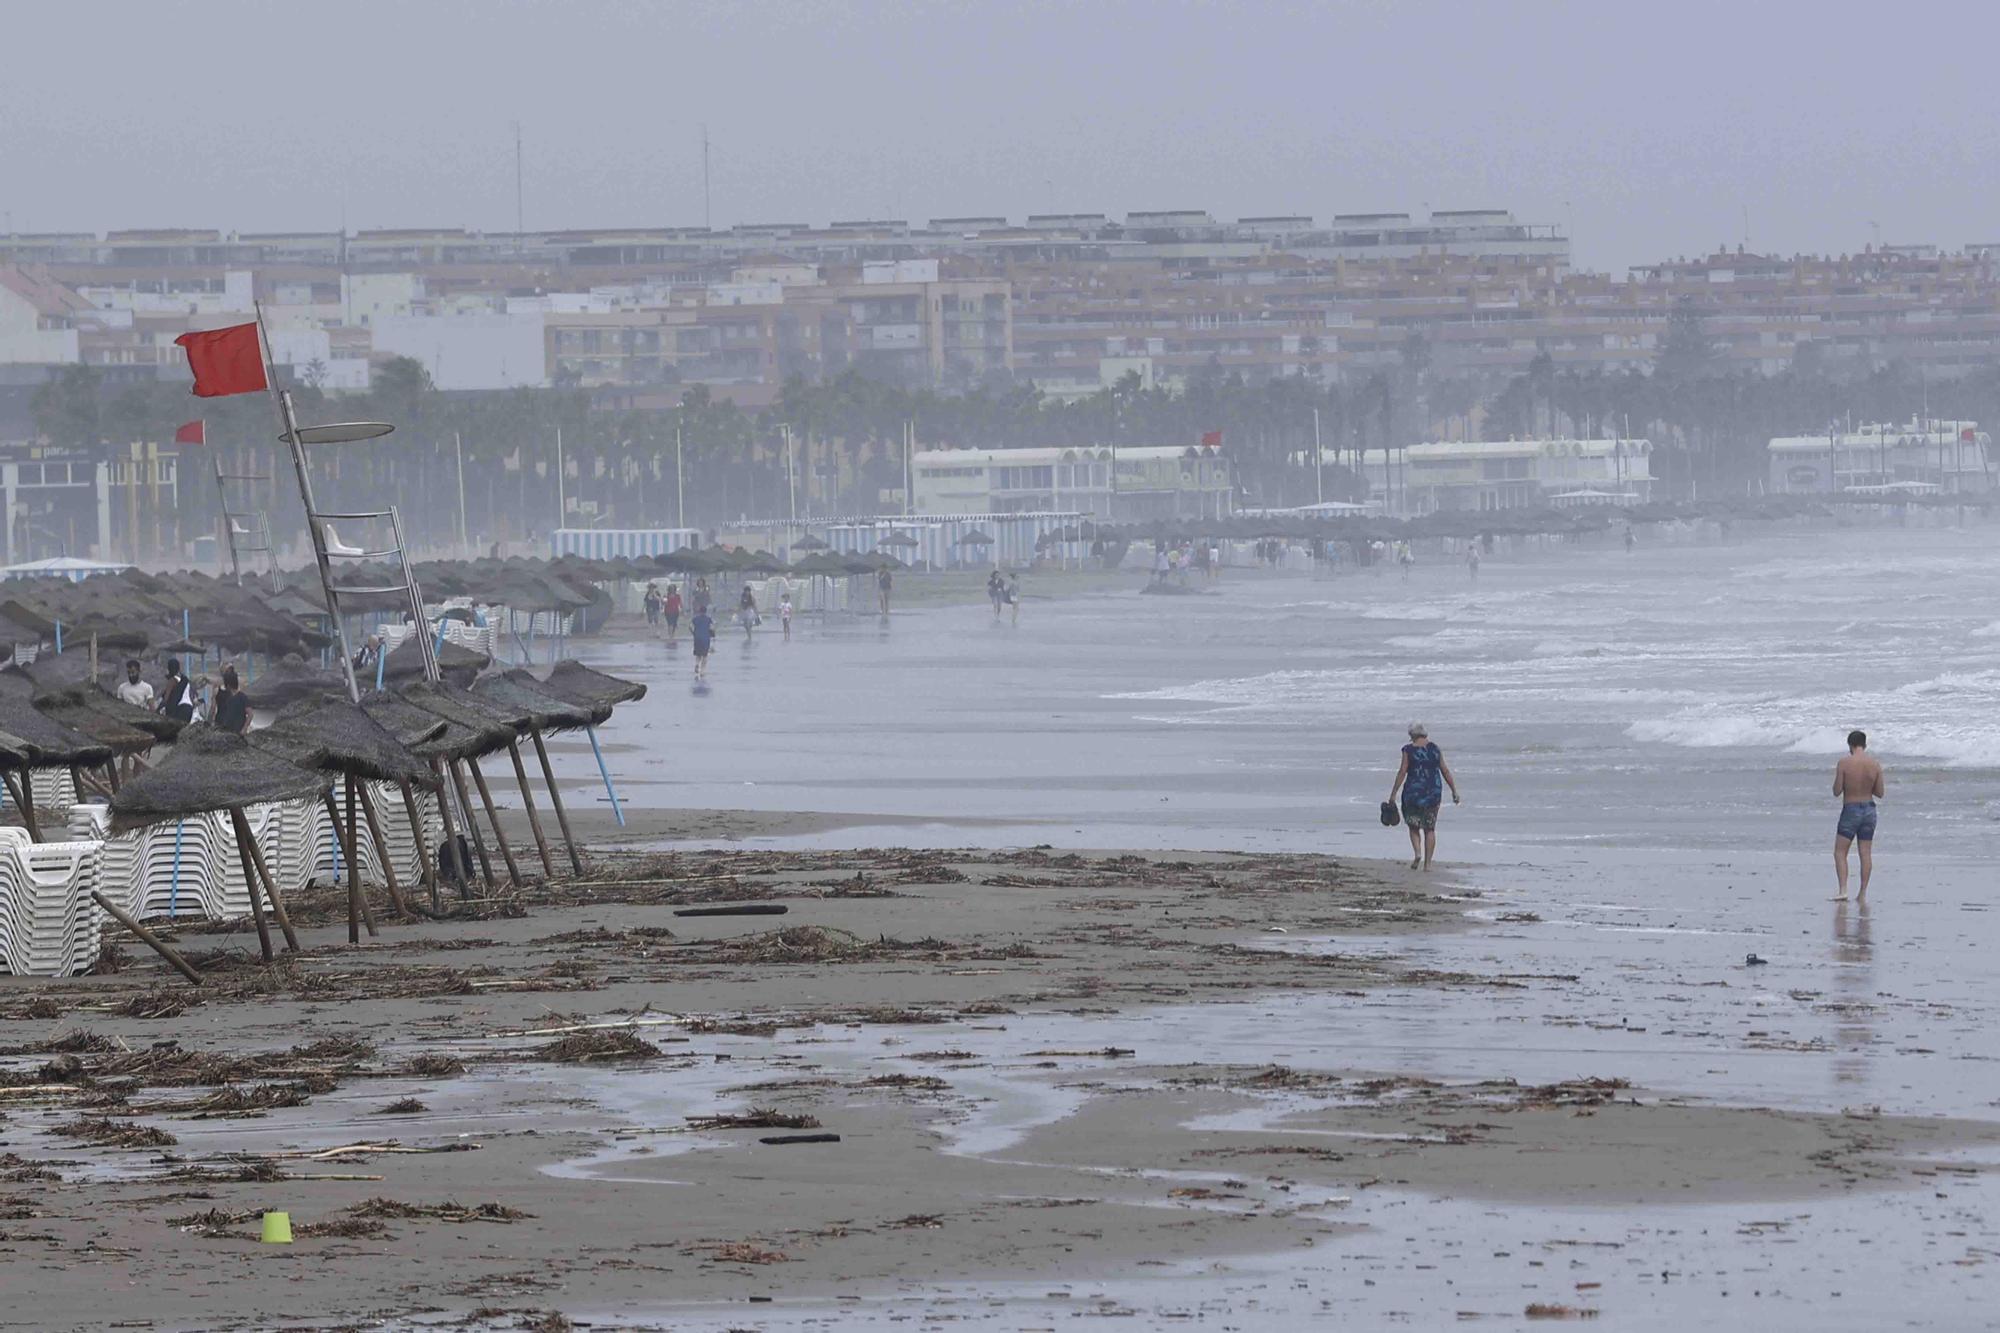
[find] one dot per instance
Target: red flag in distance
(1212, 440)
(225, 361)
(191, 432)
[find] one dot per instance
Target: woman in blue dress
(1422, 777)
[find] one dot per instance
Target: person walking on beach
(178, 701)
(996, 589)
(1422, 777)
(1858, 782)
(652, 603)
(1012, 596)
(671, 610)
(746, 611)
(882, 585)
(139, 694)
(785, 612)
(232, 706)
(1472, 562)
(702, 630)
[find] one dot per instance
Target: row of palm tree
(488, 461)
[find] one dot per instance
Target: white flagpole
(283, 398)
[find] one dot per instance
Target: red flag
(225, 361)
(1212, 440)
(191, 432)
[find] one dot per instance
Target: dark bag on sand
(1390, 818)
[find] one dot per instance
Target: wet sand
(1063, 1084)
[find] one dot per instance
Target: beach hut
(212, 770)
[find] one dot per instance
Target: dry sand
(524, 1077)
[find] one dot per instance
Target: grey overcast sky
(1650, 130)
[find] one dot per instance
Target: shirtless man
(1857, 781)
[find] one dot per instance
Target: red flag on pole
(1212, 440)
(225, 361)
(192, 432)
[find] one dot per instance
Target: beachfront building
(1918, 457)
(1122, 484)
(1511, 474)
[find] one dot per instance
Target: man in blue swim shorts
(1857, 781)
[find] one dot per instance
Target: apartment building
(1066, 301)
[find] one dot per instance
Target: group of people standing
(665, 608)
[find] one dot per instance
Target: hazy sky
(1649, 130)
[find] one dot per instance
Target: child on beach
(702, 630)
(785, 612)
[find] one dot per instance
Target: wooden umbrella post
(389, 875)
(271, 894)
(425, 865)
(528, 804)
(356, 895)
(493, 814)
(472, 822)
(242, 827)
(346, 855)
(21, 787)
(148, 938)
(555, 799)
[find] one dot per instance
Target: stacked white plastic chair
(49, 926)
(328, 866)
(53, 788)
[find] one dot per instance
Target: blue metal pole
(187, 626)
(381, 665)
(609, 789)
(174, 884)
(59, 638)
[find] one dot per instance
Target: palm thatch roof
(156, 725)
(419, 730)
(336, 736)
(99, 727)
(45, 742)
(479, 731)
(576, 683)
(456, 662)
(519, 692)
(56, 673)
(211, 770)
(290, 679)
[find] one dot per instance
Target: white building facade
(1934, 457)
(1510, 474)
(1149, 481)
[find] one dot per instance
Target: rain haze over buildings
(1190, 662)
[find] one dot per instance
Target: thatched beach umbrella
(519, 693)
(212, 770)
(338, 737)
(594, 690)
(290, 679)
(45, 743)
(809, 543)
(576, 683)
(482, 733)
(456, 663)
